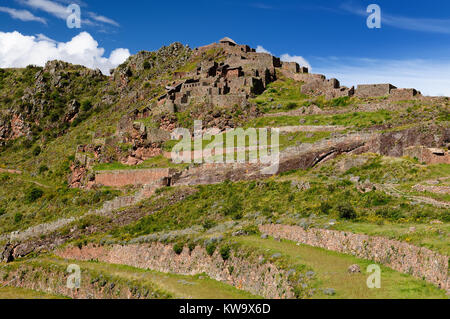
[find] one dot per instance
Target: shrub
(37, 150)
(43, 169)
(86, 105)
(33, 194)
(291, 105)
(225, 252)
(191, 246)
(325, 207)
(2, 211)
(178, 248)
(147, 65)
(346, 211)
(252, 230)
(4, 177)
(210, 249)
(209, 224)
(18, 217)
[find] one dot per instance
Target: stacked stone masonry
(416, 261)
(263, 279)
(121, 178)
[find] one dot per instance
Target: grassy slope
(178, 286)
(276, 200)
(331, 270)
(19, 293)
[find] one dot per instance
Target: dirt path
(391, 190)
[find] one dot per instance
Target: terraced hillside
(89, 177)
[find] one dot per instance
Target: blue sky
(412, 48)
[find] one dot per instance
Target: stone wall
(404, 94)
(121, 178)
(53, 279)
(263, 279)
(374, 90)
(428, 155)
(409, 259)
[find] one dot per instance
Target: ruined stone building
(243, 72)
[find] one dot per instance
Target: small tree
(37, 150)
(33, 194)
(346, 211)
(210, 249)
(225, 252)
(178, 248)
(147, 65)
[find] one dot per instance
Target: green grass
(284, 92)
(155, 162)
(178, 286)
(20, 293)
(355, 119)
(21, 209)
(331, 270)
(276, 200)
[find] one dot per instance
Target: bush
(86, 105)
(37, 150)
(210, 249)
(225, 252)
(178, 248)
(18, 217)
(2, 211)
(191, 246)
(33, 194)
(43, 169)
(346, 211)
(209, 224)
(291, 105)
(147, 65)
(325, 208)
(252, 230)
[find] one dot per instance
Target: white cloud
(296, 58)
(103, 19)
(17, 50)
(431, 77)
(23, 15)
(260, 49)
(59, 10)
(51, 7)
(286, 57)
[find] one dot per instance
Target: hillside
(90, 176)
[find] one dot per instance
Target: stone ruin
(380, 90)
(428, 155)
(242, 73)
